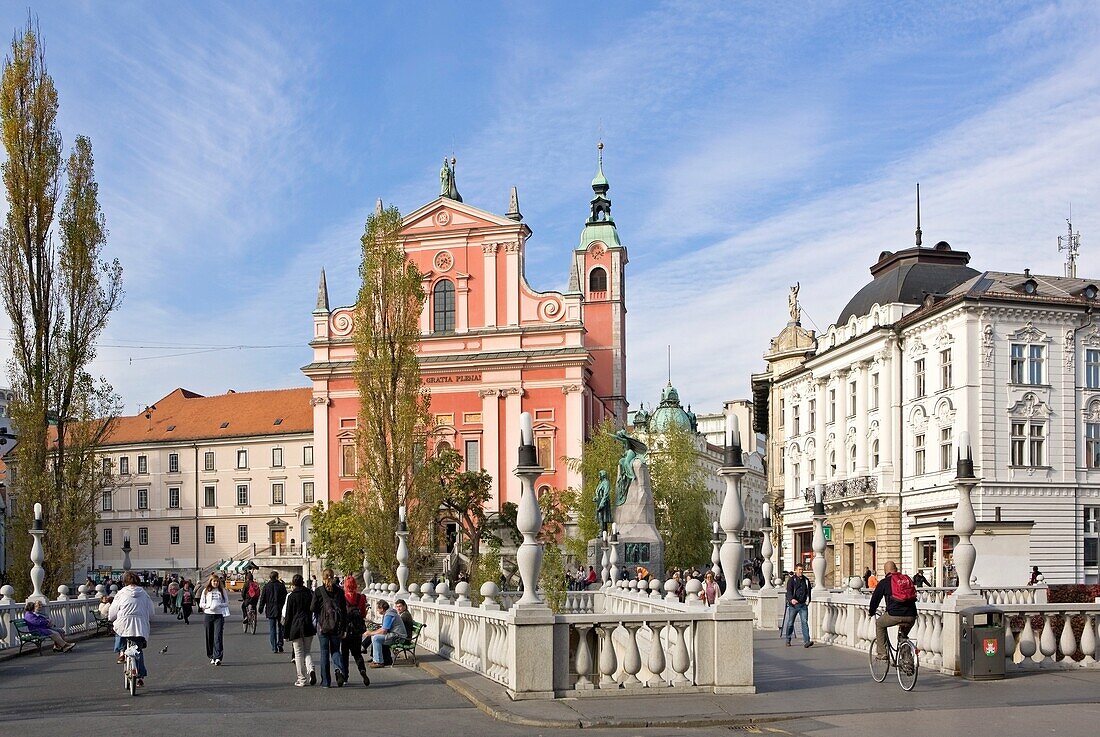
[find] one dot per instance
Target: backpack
(902, 588)
(253, 589)
(356, 624)
(328, 622)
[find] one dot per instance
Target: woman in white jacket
(214, 605)
(131, 611)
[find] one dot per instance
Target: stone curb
(504, 715)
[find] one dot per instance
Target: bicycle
(905, 658)
(129, 667)
(250, 620)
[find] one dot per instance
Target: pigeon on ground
(164, 649)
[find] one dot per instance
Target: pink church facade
(492, 346)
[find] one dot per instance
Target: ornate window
(852, 459)
(1092, 369)
(945, 448)
(812, 417)
(874, 453)
(597, 280)
(874, 390)
(307, 492)
(1092, 444)
(945, 368)
(1019, 457)
(1026, 364)
(347, 461)
(918, 455)
(443, 307)
(918, 377)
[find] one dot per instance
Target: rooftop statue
(603, 502)
(792, 304)
(632, 448)
(447, 186)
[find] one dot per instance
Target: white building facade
(204, 479)
(928, 349)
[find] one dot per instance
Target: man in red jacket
(901, 606)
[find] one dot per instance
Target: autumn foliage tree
(394, 405)
(59, 292)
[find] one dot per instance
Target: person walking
(271, 604)
(709, 592)
(163, 590)
(352, 644)
(299, 630)
(214, 604)
(330, 608)
(798, 598)
(130, 612)
(185, 601)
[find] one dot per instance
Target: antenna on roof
(1070, 243)
(670, 364)
(918, 234)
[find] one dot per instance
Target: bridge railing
(68, 614)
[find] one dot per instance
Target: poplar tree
(59, 293)
(680, 496)
(394, 416)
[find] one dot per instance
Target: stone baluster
(691, 593)
(402, 555)
(767, 568)
(528, 517)
(427, 592)
(632, 656)
(63, 593)
(964, 521)
(671, 586)
(38, 573)
(605, 570)
(1010, 639)
(1088, 640)
(680, 660)
(818, 542)
(462, 590)
(608, 663)
(1027, 645)
(715, 556)
(731, 518)
(583, 660)
(1048, 645)
(6, 594)
(1067, 642)
(82, 591)
(443, 592)
(616, 557)
(414, 590)
(656, 661)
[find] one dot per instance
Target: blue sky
(239, 148)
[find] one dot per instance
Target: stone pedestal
(952, 622)
(723, 649)
(639, 541)
(532, 643)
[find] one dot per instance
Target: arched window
(443, 307)
(597, 280)
(852, 459)
(874, 454)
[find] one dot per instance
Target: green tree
(394, 415)
(59, 293)
(337, 536)
(680, 497)
(465, 495)
(552, 577)
(600, 453)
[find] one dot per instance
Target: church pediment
(447, 214)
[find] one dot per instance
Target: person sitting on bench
(39, 624)
(392, 630)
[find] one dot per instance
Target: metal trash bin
(982, 643)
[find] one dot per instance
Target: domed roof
(669, 413)
(907, 276)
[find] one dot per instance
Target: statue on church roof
(447, 186)
(792, 304)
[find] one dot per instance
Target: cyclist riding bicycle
(250, 595)
(131, 611)
(901, 606)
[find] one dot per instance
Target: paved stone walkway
(827, 689)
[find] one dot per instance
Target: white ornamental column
(862, 384)
(820, 431)
(819, 564)
(528, 516)
(38, 573)
(964, 521)
(402, 555)
(732, 516)
(715, 557)
(605, 550)
(766, 550)
(615, 571)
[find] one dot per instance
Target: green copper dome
(669, 413)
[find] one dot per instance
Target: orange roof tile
(184, 416)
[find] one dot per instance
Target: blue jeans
(378, 643)
(803, 612)
(139, 659)
(118, 644)
(330, 650)
(275, 632)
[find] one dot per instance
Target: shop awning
(236, 566)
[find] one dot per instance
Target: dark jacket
(298, 622)
(272, 598)
(320, 594)
(799, 590)
(893, 606)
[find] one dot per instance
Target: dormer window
(1031, 286)
(1090, 291)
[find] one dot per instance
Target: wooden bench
(26, 637)
(407, 648)
(102, 623)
